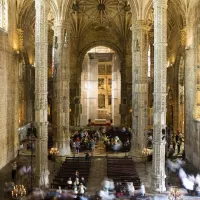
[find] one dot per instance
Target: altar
(100, 122)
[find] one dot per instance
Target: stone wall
(9, 61)
(8, 102)
(192, 125)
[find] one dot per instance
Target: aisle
(98, 171)
(99, 149)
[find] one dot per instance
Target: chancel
(116, 80)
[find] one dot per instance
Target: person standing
(77, 146)
(92, 143)
(178, 146)
(14, 170)
(142, 188)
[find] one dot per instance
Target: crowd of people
(84, 140)
(111, 190)
(77, 184)
(190, 182)
(113, 138)
(174, 144)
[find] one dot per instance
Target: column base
(63, 148)
(65, 151)
(42, 179)
(136, 155)
(158, 184)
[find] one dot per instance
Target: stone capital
(40, 3)
(183, 33)
(141, 25)
(160, 3)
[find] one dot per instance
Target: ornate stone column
(61, 76)
(116, 90)
(66, 91)
(41, 105)
(139, 86)
(160, 66)
(92, 92)
(84, 87)
(124, 99)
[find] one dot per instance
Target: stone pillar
(116, 91)
(139, 86)
(41, 105)
(93, 89)
(160, 66)
(124, 103)
(66, 93)
(84, 86)
(61, 75)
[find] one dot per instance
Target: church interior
(100, 85)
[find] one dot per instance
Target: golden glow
(18, 192)
(54, 151)
(15, 46)
(146, 152)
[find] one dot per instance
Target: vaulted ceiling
(111, 15)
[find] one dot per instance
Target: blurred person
(82, 189)
(38, 193)
(131, 188)
(106, 183)
(69, 183)
(111, 185)
(171, 151)
(74, 148)
(178, 146)
(92, 143)
(142, 189)
(104, 194)
(75, 189)
(59, 192)
(83, 181)
(14, 170)
(198, 190)
(87, 157)
(76, 174)
(77, 143)
(77, 181)
(8, 187)
(118, 189)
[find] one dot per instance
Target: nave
(112, 164)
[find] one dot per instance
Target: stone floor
(97, 173)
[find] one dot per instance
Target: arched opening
(100, 87)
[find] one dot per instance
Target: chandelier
(54, 151)
(18, 192)
(146, 152)
(175, 194)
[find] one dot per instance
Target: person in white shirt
(69, 183)
(142, 188)
(82, 189)
(131, 188)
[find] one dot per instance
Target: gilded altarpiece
(104, 90)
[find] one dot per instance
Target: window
(149, 62)
(3, 15)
